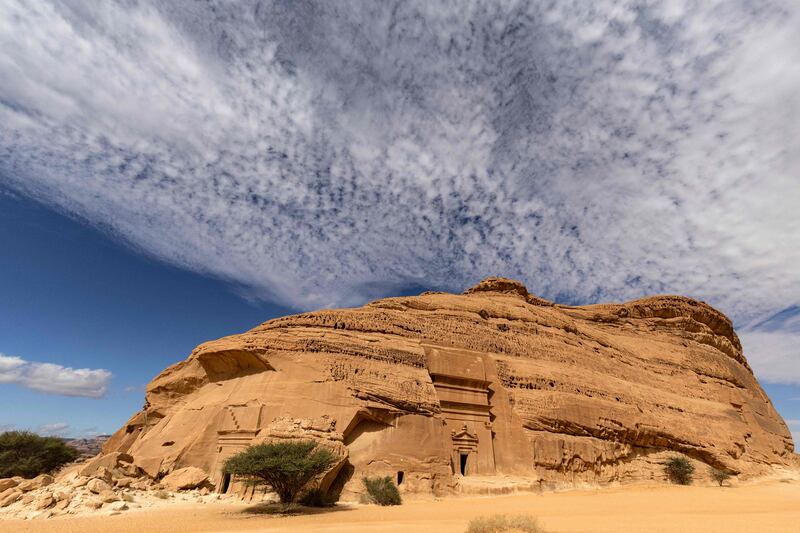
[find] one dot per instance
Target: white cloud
(10, 368)
(57, 429)
(772, 346)
(774, 356)
(325, 153)
(54, 379)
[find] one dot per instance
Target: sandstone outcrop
(102, 466)
(438, 388)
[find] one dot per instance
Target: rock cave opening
(226, 482)
(463, 464)
(400, 476)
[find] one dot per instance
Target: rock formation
(440, 388)
(88, 447)
(107, 484)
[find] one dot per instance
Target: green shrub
(287, 467)
(382, 490)
(720, 476)
(679, 470)
(316, 498)
(499, 523)
(26, 454)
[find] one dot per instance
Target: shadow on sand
(279, 509)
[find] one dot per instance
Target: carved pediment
(463, 435)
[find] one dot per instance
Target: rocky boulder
(123, 482)
(36, 483)
(9, 482)
(63, 493)
(107, 462)
(44, 502)
(108, 496)
(118, 506)
(185, 478)
(97, 486)
(9, 496)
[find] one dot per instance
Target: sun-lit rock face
(436, 388)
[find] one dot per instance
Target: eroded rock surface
(432, 388)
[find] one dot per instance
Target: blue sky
(176, 171)
(73, 297)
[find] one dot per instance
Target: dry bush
(499, 523)
(720, 476)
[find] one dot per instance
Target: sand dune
(765, 507)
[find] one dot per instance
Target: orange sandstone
(439, 388)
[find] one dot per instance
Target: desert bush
(720, 476)
(26, 454)
(287, 467)
(499, 523)
(316, 498)
(679, 470)
(382, 490)
(161, 494)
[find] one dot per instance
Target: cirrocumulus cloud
(323, 153)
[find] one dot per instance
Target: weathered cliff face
(495, 381)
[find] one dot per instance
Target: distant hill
(88, 447)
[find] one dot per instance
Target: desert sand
(769, 506)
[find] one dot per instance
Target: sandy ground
(766, 507)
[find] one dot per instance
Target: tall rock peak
(495, 284)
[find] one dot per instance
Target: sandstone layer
(438, 389)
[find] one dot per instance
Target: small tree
(382, 490)
(287, 467)
(679, 470)
(26, 454)
(720, 476)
